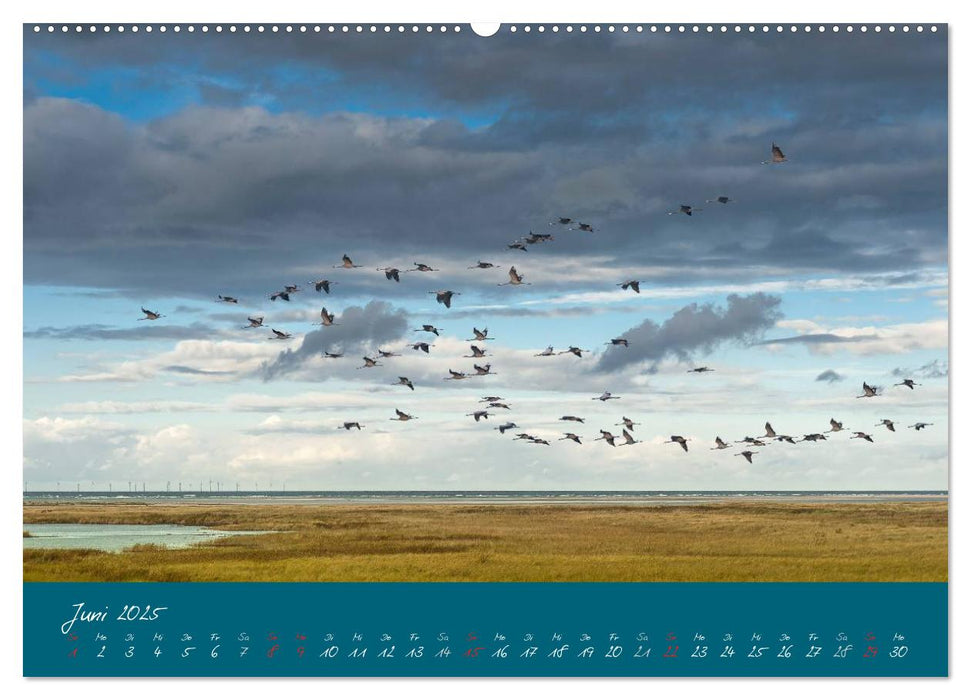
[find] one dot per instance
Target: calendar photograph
(554, 316)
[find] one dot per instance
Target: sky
(163, 170)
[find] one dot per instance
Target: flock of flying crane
(444, 297)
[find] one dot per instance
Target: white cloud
(129, 407)
(865, 340)
(205, 360)
(63, 430)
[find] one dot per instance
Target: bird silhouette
(777, 156)
(680, 440)
(346, 263)
(445, 297)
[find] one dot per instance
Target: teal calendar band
(485, 629)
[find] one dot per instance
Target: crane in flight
(777, 156)
(685, 209)
(480, 336)
(390, 273)
(322, 285)
(445, 297)
(683, 441)
(607, 437)
(326, 319)
(346, 263)
(422, 267)
(868, 392)
(515, 278)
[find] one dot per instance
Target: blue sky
(162, 171)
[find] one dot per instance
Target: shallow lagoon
(115, 538)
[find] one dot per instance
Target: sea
(667, 497)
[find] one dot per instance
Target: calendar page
(535, 350)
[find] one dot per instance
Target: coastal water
(673, 497)
(114, 538)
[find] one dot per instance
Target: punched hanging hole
(485, 29)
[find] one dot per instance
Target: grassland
(752, 541)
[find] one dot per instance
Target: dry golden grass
(752, 541)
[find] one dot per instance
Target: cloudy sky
(161, 170)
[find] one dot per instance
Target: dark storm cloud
(356, 330)
(694, 329)
(96, 331)
(222, 192)
(830, 376)
(552, 71)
